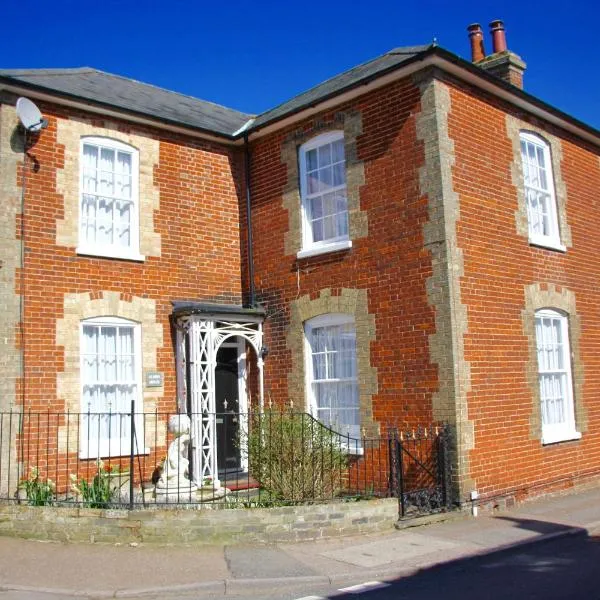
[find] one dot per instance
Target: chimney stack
(498, 36)
(476, 36)
(502, 62)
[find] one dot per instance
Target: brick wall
(504, 279)
(448, 273)
(387, 263)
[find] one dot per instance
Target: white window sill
(353, 451)
(325, 248)
(107, 455)
(88, 251)
(565, 436)
(547, 243)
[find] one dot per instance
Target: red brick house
(421, 248)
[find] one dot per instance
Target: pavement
(112, 571)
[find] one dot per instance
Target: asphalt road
(564, 568)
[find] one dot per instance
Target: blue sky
(254, 55)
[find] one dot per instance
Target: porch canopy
(201, 328)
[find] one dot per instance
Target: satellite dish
(30, 116)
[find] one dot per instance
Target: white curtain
(108, 386)
(90, 189)
(552, 367)
(123, 192)
(335, 385)
(326, 187)
(106, 197)
(536, 187)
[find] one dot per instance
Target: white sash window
(110, 380)
(554, 368)
(324, 195)
(108, 211)
(332, 373)
(539, 191)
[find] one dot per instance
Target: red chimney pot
(476, 37)
(498, 36)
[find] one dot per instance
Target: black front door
(227, 404)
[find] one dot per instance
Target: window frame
(567, 430)
(114, 447)
(310, 247)
(321, 321)
(85, 247)
(553, 239)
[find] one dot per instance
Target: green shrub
(39, 492)
(98, 493)
(294, 457)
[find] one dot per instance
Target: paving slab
(404, 546)
(261, 563)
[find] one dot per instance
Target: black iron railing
(275, 457)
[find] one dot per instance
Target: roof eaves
(46, 72)
(518, 92)
(421, 53)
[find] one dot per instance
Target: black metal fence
(421, 470)
(134, 460)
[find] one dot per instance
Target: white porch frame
(205, 333)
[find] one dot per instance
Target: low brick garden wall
(198, 526)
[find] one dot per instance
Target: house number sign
(154, 379)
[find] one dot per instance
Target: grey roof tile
(341, 82)
(121, 92)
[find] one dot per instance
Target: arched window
(539, 191)
(554, 370)
(109, 205)
(332, 372)
(323, 194)
(110, 374)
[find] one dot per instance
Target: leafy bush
(294, 457)
(39, 492)
(98, 493)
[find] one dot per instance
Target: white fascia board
(117, 114)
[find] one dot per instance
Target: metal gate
(421, 470)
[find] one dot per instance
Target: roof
(113, 91)
(120, 92)
(187, 307)
(359, 74)
(99, 87)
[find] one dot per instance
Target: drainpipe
(252, 299)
